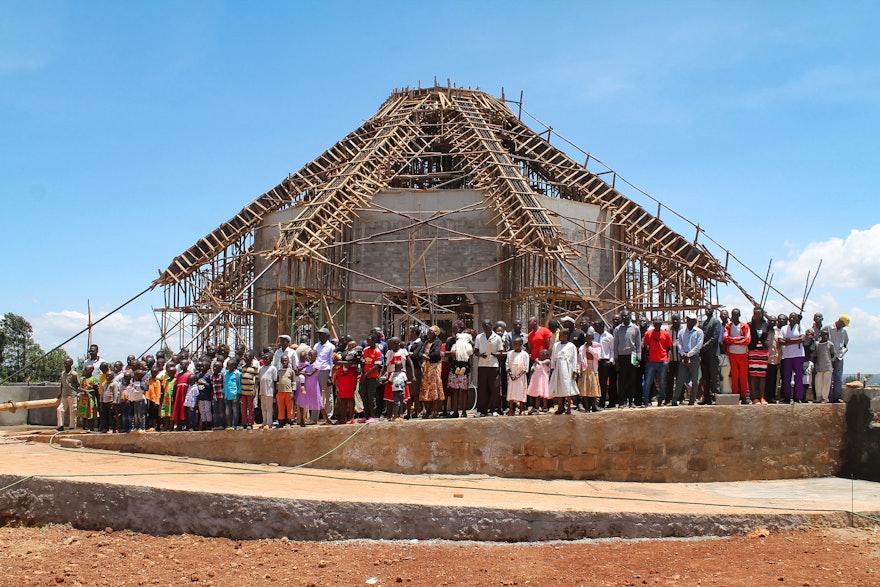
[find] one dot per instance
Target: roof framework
(438, 138)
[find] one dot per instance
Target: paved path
(803, 498)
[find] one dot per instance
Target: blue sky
(130, 130)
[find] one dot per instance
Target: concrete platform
(94, 489)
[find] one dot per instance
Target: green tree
(17, 339)
(47, 368)
(21, 357)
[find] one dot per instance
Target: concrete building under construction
(442, 205)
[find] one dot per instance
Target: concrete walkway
(156, 494)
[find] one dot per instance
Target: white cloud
(118, 336)
(847, 263)
(848, 283)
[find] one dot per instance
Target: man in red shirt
(658, 343)
(538, 338)
(371, 394)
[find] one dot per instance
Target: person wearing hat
(284, 348)
(324, 363)
(839, 337)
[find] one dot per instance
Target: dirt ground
(60, 555)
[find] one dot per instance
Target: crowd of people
(564, 365)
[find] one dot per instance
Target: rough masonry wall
(711, 443)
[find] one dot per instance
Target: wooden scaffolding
(430, 139)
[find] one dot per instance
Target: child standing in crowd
(539, 386)
(588, 383)
(346, 381)
(169, 382)
(206, 396)
(249, 373)
(218, 401)
(191, 401)
(284, 392)
(517, 366)
(398, 381)
(309, 397)
(137, 400)
(109, 398)
(124, 408)
(231, 391)
(825, 355)
(178, 410)
(268, 374)
(153, 396)
(808, 378)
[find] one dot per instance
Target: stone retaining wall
(685, 444)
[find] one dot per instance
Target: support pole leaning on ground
(13, 407)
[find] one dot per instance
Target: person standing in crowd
(515, 332)
(825, 353)
(431, 394)
(488, 347)
(576, 336)
(110, 393)
(517, 367)
(759, 333)
(153, 396)
(737, 337)
(267, 377)
(674, 358)
(137, 400)
(93, 360)
(324, 362)
(218, 400)
(85, 407)
(563, 377)
(709, 357)
(416, 348)
(369, 384)
(347, 379)
(231, 391)
(690, 345)
(539, 384)
(771, 382)
(459, 349)
(284, 348)
(284, 392)
(657, 342)
(588, 379)
(839, 337)
(627, 355)
(178, 410)
(67, 395)
(723, 358)
(607, 371)
(538, 338)
(791, 337)
(249, 372)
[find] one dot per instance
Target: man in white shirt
(690, 342)
(607, 373)
(284, 348)
(488, 346)
(324, 362)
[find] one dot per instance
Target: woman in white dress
(517, 367)
(563, 379)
